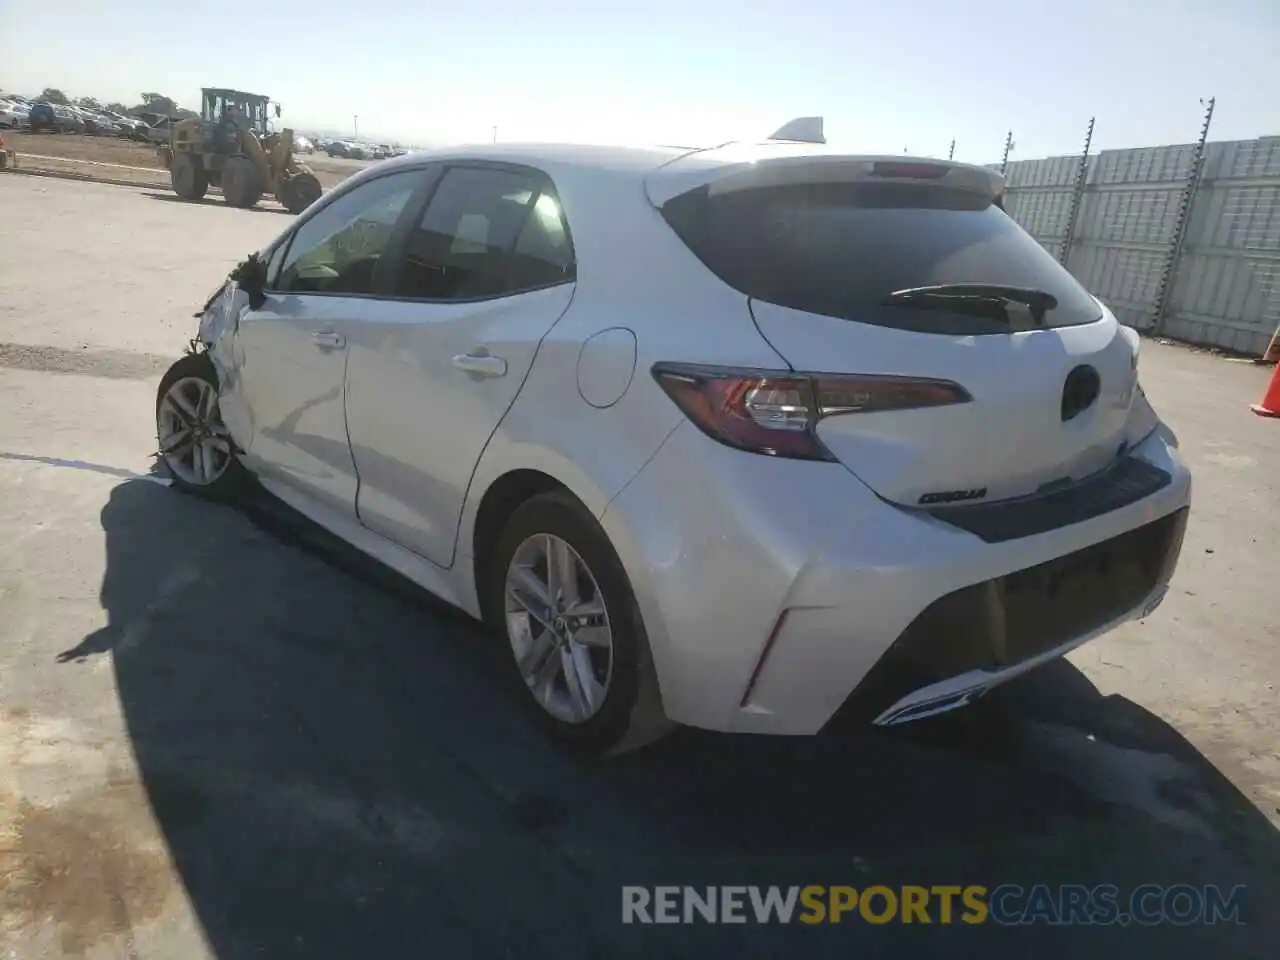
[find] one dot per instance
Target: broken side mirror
(250, 275)
(277, 110)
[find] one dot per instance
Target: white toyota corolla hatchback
(750, 438)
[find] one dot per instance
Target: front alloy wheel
(194, 443)
(559, 629)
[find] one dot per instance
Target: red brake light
(777, 412)
(908, 170)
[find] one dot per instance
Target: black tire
(299, 191)
(241, 185)
(631, 714)
(187, 173)
(234, 481)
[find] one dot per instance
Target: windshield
(847, 249)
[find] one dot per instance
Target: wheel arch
(531, 448)
(501, 496)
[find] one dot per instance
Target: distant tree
(54, 95)
(115, 107)
(157, 103)
(89, 103)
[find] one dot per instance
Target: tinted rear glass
(841, 249)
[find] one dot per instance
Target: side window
(543, 254)
(337, 250)
(485, 233)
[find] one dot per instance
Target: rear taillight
(777, 412)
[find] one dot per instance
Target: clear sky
(885, 75)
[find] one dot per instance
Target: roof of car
(638, 159)
(580, 171)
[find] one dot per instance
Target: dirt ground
(224, 736)
(81, 156)
(79, 147)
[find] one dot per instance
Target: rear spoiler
(745, 167)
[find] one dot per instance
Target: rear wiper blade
(981, 298)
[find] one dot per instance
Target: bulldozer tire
(240, 182)
(190, 181)
(299, 192)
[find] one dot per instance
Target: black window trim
(430, 173)
(542, 181)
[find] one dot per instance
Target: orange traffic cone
(1269, 406)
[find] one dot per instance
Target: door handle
(328, 339)
(481, 364)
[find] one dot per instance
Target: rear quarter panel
(636, 275)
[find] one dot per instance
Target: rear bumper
(978, 637)
(781, 595)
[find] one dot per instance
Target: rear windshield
(842, 249)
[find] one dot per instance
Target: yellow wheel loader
(231, 146)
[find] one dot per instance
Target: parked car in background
(14, 115)
(69, 121)
(131, 127)
(158, 132)
(349, 149)
(302, 144)
(98, 124)
(42, 118)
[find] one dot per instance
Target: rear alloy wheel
(194, 443)
(241, 184)
(558, 626)
(188, 175)
(560, 596)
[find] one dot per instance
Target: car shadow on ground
(339, 769)
(213, 201)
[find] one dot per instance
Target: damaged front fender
(221, 317)
(219, 323)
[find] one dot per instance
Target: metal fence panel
(1227, 280)
(1038, 196)
(1228, 288)
(1127, 226)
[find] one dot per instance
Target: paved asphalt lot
(222, 736)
